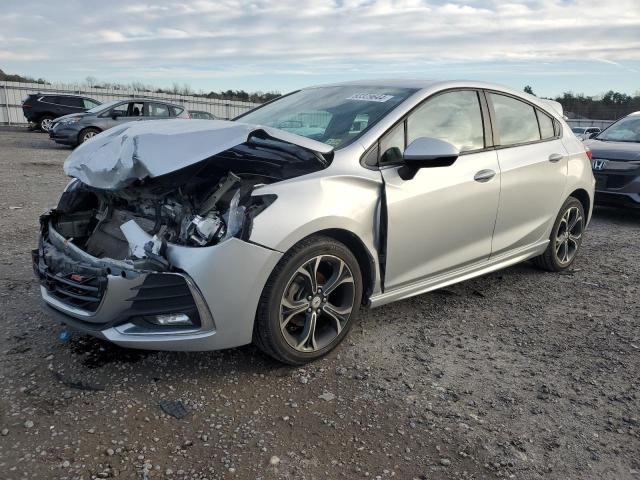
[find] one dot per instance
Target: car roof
(427, 86)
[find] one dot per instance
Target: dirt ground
(518, 374)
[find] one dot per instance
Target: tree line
(611, 106)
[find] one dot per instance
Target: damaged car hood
(139, 150)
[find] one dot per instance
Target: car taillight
(589, 153)
(26, 105)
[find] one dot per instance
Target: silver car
(205, 235)
(77, 128)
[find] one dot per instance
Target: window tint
(88, 103)
(122, 109)
(455, 117)
(516, 120)
(158, 110)
(546, 125)
(71, 102)
(51, 99)
(392, 145)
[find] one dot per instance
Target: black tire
(551, 259)
(44, 123)
(267, 334)
(86, 134)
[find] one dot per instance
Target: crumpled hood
(628, 151)
(137, 150)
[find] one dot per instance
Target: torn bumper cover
(112, 300)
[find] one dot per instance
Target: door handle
(484, 176)
(555, 157)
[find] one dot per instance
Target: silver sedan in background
(278, 227)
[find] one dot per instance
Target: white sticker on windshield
(370, 97)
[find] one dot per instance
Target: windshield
(332, 115)
(625, 130)
(104, 106)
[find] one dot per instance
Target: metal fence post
(6, 101)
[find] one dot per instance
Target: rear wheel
(87, 134)
(45, 123)
(565, 239)
(309, 302)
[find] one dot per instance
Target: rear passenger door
(533, 166)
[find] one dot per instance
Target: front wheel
(87, 134)
(309, 302)
(565, 239)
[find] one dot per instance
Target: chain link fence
(13, 93)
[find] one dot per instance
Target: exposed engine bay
(197, 206)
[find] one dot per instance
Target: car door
(444, 217)
(533, 165)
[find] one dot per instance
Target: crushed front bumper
(218, 287)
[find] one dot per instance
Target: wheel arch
(91, 127)
(583, 196)
(360, 251)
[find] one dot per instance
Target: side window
(51, 99)
(136, 109)
(88, 103)
(392, 145)
(122, 109)
(516, 121)
(546, 125)
(175, 111)
(455, 117)
(158, 110)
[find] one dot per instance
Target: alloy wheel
(45, 124)
(569, 235)
(317, 303)
(88, 135)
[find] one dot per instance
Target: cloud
(217, 38)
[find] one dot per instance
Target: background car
(201, 115)
(41, 109)
(78, 128)
(584, 133)
(616, 162)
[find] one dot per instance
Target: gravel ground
(518, 374)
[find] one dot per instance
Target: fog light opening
(171, 319)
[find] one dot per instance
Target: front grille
(620, 181)
(163, 294)
(83, 292)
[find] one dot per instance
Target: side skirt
(460, 275)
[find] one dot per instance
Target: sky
(583, 46)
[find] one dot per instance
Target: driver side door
(443, 218)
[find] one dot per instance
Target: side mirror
(115, 114)
(426, 152)
(593, 135)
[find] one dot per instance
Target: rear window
(516, 120)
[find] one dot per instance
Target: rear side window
(158, 110)
(546, 125)
(454, 117)
(88, 103)
(175, 111)
(51, 99)
(515, 120)
(71, 102)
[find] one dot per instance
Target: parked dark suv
(41, 109)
